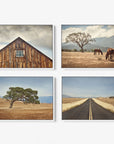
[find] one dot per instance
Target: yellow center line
(90, 111)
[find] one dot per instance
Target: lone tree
(20, 94)
(81, 39)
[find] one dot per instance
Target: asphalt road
(88, 111)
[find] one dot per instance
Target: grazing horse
(98, 51)
(110, 52)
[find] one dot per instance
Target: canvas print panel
(88, 98)
(88, 46)
(26, 46)
(26, 98)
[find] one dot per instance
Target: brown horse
(110, 52)
(98, 51)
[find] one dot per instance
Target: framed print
(87, 98)
(26, 46)
(26, 98)
(87, 46)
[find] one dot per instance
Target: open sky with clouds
(39, 36)
(44, 85)
(96, 31)
(88, 86)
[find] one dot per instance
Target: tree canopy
(20, 94)
(80, 38)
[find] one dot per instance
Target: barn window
(19, 53)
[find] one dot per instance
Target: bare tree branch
(80, 38)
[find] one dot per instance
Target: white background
(57, 13)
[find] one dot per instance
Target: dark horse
(98, 51)
(110, 52)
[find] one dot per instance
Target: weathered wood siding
(32, 57)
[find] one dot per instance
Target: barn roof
(27, 44)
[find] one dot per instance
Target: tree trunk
(82, 49)
(11, 104)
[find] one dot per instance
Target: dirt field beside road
(70, 100)
(85, 60)
(107, 100)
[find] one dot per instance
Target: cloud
(96, 31)
(39, 36)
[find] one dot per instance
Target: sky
(96, 31)
(44, 85)
(39, 36)
(88, 86)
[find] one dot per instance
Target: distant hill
(71, 46)
(66, 96)
(105, 42)
(102, 43)
(46, 99)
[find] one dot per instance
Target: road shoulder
(105, 105)
(68, 106)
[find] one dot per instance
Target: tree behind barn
(20, 94)
(81, 39)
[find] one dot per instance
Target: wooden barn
(20, 54)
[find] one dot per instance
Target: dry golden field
(70, 100)
(69, 103)
(22, 111)
(107, 100)
(85, 60)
